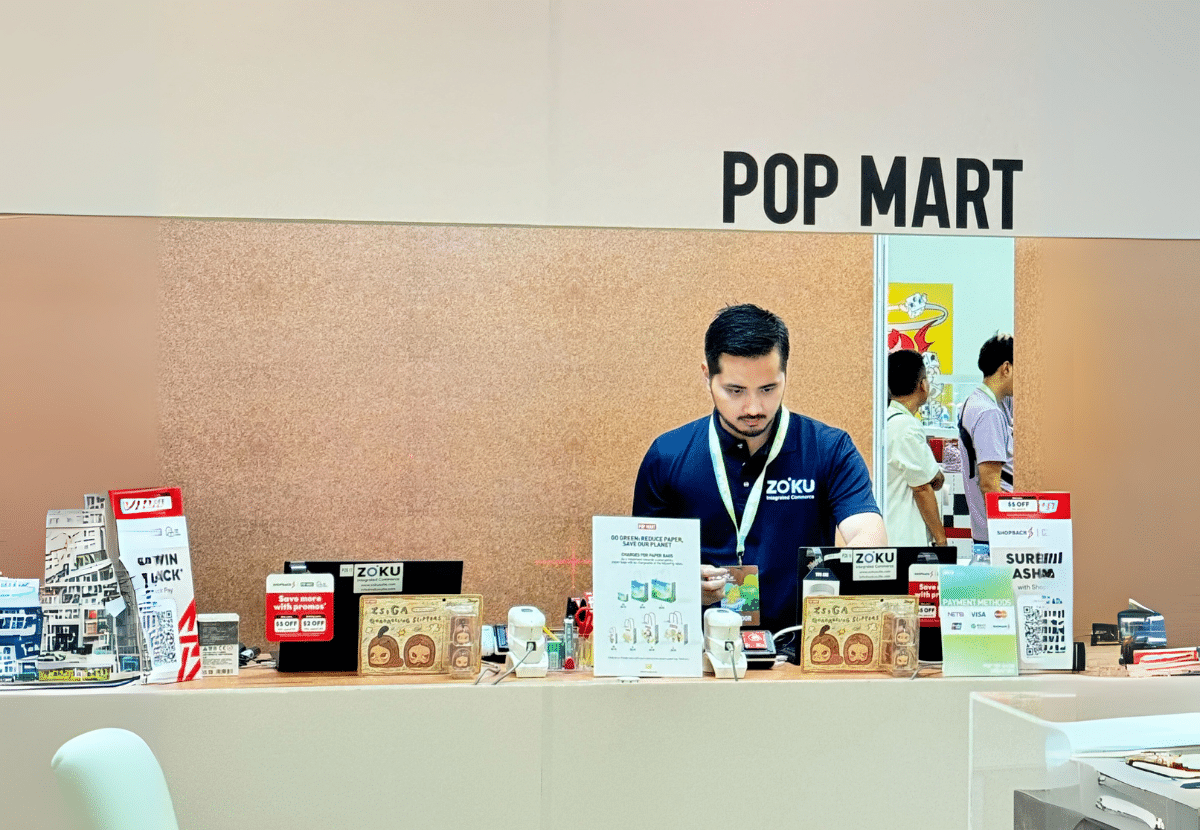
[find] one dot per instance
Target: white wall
(610, 114)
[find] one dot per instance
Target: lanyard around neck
(752, 502)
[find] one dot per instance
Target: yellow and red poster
(920, 316)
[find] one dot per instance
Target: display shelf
(309, 752)
(1038, 740)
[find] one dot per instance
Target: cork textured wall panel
(353, 391)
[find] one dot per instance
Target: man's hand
(712, 584)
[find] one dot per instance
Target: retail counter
(314, 752)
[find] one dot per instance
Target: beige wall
(78, 389)
(1106, 393)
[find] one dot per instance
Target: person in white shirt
(914, 518)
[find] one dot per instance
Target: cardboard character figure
(461, 658)
(462, 633)
(859, 649)
(903, 633)
(824, 649)
(420, 651)
(383, 651)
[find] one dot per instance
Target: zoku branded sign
(1030, 537)
(375, 577)
(874, 564)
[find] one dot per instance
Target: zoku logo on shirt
(785, 489)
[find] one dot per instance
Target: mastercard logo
(1001, 613)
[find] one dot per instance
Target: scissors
(583, 619)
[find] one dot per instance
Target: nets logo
(791, 488)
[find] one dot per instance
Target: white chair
(112, 781)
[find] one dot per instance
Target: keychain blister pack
(419, 635)
(464, 634)
(900, 640)
(860, 634)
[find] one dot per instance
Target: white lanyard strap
(752, 501)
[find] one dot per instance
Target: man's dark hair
(905, 370)
(745, 331)
(995, 353)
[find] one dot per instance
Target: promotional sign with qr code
(1030, 536)
(299, 608)
(152, 543)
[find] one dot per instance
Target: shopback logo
(788, 489)
(1025, 534)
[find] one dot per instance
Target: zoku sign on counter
(1030, 535)
(646, 596)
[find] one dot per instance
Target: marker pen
(568, 638)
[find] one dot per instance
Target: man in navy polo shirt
(763, 482)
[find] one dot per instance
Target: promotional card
(741, 593)
(1030, 536)
(299, 608)
(646, 596)
(979, 634)
(152, 544)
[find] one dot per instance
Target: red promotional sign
(299, 608)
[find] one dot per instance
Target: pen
(568, 639)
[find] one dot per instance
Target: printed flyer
(646, 597)
(152, 543)
(1030, 536)
(979, 635)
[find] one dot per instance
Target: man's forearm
(927, 504)
(989, 476)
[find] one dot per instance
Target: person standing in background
(914, 517)
(985, 428)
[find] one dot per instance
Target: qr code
(1033, 631)
(158, 631)
(1044, 630)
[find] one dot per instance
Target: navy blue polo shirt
(817, 480)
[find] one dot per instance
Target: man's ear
(704, 371)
